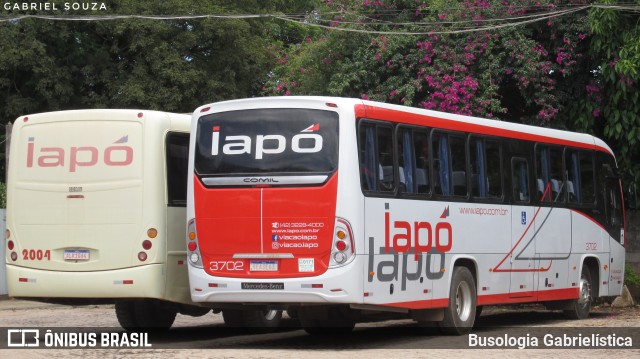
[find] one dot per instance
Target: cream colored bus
(96, 211)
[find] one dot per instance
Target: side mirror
(631, 199)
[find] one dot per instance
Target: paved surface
(207, 336)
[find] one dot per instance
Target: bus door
(553, 221)
(521, 258)
(615, 227)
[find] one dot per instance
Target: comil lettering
(265, 144)
(82, 156)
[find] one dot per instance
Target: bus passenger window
(385, 159)
(421, 145)
(376, 158)
(549, 174)
(413, 161)
(494, 171)
(458, 165)
(520, 179)
(485, 168)
(587, 178)
(557, 175)
(368, 158)
(441, 171)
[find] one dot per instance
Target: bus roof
(417, 116)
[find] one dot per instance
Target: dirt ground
(15, 313)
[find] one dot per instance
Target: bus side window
(614, 202)
(385, 159)
(486, 181)
(557, 175)
(413, 161)
(376, 156)
(494, 169)
(368, 158)
(441, 172)
(549, 174)
(458, 165)
(421, 145)
(177, 157)
(574, 183)
(587, 178)
(520, 179)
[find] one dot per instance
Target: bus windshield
(285, 142)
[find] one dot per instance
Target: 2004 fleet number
(36, 254)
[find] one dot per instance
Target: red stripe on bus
(420, 304)
(493, 299)
(385, 114)
(528, 297)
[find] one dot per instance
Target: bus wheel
(580, 307)
(233, 318)
(126, 315)
(461, 313)
(255, 319)
(263, 320)
(327, 321)
(145, 314)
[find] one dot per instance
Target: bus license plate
(76, 254)
(263, 266)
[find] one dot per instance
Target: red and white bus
(330, 207)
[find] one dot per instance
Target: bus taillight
(342, 251)
(192, 245)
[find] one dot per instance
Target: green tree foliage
(172, 65)
(578, 71)
(607, 100)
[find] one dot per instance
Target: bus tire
(262, 319)
(580, 308)
(329, 322)
(253, 319)
(145, 314)
(233, 318)
(460, 315)
(125, 313)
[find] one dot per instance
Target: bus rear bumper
(336, 286)
(135, 282)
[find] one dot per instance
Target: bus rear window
(284, 142)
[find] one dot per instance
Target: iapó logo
(304, 142)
